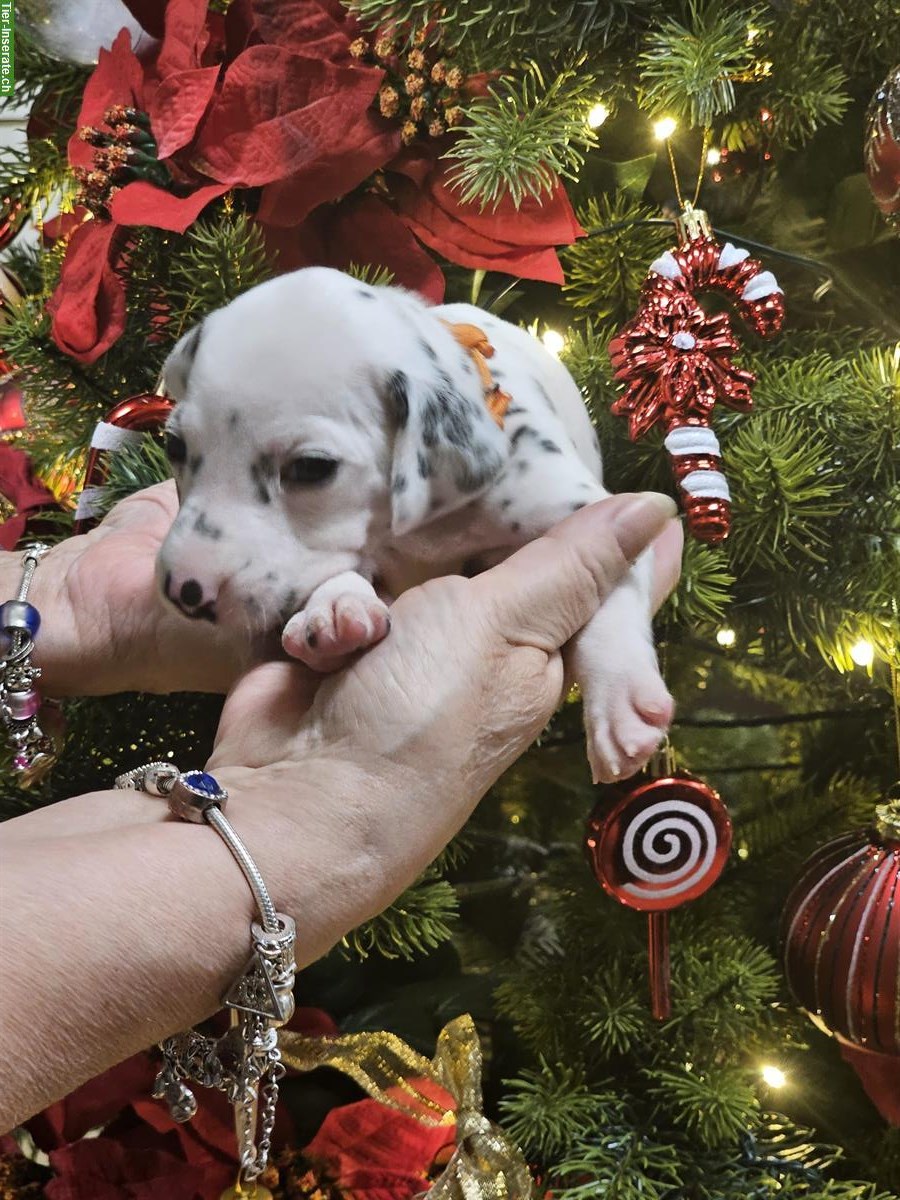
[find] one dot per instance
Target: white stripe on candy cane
(692, 439)
(712, 484)
(111, 437)
(90, 504)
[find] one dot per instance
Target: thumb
(550, 589)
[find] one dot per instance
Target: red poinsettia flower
(676, 362)
(20, 488)
(374, 1152)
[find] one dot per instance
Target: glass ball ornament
(75, 33)
(882, 147)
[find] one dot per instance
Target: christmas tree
(531, 157)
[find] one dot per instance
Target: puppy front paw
(328, 631)
(625, 721)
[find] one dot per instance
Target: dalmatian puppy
(331, 438)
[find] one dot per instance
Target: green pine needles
(527, 134)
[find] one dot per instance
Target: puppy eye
(309, 468)
(175, 448)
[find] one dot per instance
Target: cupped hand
(105, 626)
(400, 747)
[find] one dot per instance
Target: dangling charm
(676, 361)
(663, 844)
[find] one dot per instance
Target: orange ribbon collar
(475, 341)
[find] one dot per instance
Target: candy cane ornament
(676, 361)
(124, 425)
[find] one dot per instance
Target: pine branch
(133, 468)
(419, 920)
(687, 70)
(807, 90)
(548, 1110)
(623, 1163)
(714, 1105)
(526, 135)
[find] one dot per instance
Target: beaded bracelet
(246, 1059)
(20, 701)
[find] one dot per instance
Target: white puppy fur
(331, 437)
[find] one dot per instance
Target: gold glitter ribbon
(485, 1165)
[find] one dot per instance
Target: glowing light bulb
(765, 115)
(554, 341)
(726, 637)
(713, 157)
(862, 653)
(597, 115)
(773, 1076)
(664, 128)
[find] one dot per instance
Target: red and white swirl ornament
(663, 844)
(124, 425)
(676, 361)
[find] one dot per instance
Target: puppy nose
(188, 596)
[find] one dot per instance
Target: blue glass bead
(201, 782)
(19, 615)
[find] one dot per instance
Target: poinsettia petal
(318, 28)
(547, 221)
(368, 146)
(99, 1100)
(118, 78)
(20, 487)
(150, 13)
(185, 38)
(145, 204)
(88, 306)
(178, 105)
(101, 1169)
(279, 112)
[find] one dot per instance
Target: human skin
(124, 925)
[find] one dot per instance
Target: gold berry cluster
(290, 1177)
(124, 151)
(422, 88)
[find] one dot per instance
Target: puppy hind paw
(625, 726)
(325, 635)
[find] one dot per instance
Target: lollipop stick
(658, 939)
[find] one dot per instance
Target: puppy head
(312, 425)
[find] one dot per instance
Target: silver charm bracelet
(20, 701)
(245, 1062)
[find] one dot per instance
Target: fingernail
(638, 521)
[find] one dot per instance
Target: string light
(773, 1076)
(664, 128)
(597, 115)
(726, 637)
(752, 33)
(554, 342)
(765, 115)
(713, 157)
(862, 653)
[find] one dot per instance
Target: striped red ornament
(841, 949)
(676, 361)
(124, 424)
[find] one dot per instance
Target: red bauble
(144, 413)
(882, 147)
(676, 361)
(841, 946)
(663, 844)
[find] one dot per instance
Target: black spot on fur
(515, 410)
(424, 464)
(579, 504)
(523, 466)
(289, 604)
(550, 446)
(398, 397)
(524, 431)
(428, 349)
(366, 295)
(399, 484)
(585, 487)
(196, 463)
(191, 593)
(505, 504)
(234, 420)
(546, 395)
(191, 346)
(515, 526)
(262, 473)
(205, 529)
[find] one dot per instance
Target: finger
(262, 713)
(667, 550)
(549, 589)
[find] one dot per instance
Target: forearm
(114, 936)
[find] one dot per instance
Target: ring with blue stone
(18, 616)
(193, 793)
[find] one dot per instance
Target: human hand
(347, 786)
(104, 625)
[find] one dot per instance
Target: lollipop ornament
(663, 844)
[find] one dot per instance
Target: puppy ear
(447, 449)
(177, 367)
